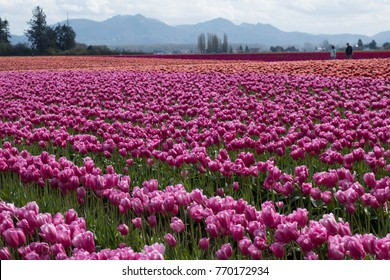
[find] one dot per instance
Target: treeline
(46, 40)
(212, 44)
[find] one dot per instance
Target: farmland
(195, 158)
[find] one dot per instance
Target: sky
(316, 17)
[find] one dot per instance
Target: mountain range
(139, 30)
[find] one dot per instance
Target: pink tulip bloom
(58, 249)
(212, 229)
(81, 195)
(177, 225)
(287, 232)
(123, 229)
(300, 216)
(204, 243)
(170, 239)
(326, 197)
(277, 249)
(84, 241)
(336, 250)
(382, 248)
(311, 256)
(244, 245)
(225, 252)
(354, 248)
(329, 222)
(306, 188)
(152, 221)
(260, 241)
(317, 233)
(32, 206)
(268, 215)
(5, 254)
(49, 233)
(369, 179)
(196, 212)
(70, 216)
(305, 242)
(254, 252)
(237, 232)
(14, 237)
(22, 224)
(236, 186)
(197, 196)
(137, 222)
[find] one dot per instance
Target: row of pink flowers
(221, 216)
(64, 174)
(177, 125)
(56, 234)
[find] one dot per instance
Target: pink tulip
(70, 216)
(311, 256)
(204, 243)
(152, 221)
(177, 225)
(354, 248)
(277, 249)
(84, 241)
(123, 229)
(254, 252)
(336, 249)
(49, 233)
(225, 252)
(287, 232)
(170, 239)
(244, 245)
(196, 212)
(369, 179)
(317, 233)
(236, 186)
(58, 250)
(300, 216)
(5, 254)
(329, 222)
(137, 222)
(14, 237)
(237, 231)
(212, 229)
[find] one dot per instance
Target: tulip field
(182, 158)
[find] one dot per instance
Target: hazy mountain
(139, 30)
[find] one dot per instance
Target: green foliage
(4, 32)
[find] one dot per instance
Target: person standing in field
(332, 53)
(348, 51)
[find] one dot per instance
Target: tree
(277, 49)
(5, 44)
(360, 44)
(202, 43)
(213, 43)
(247, 49)
(41, 36)
(65, 37)
(386, 46)
(225, 44)
(372, 45)
(4, 32)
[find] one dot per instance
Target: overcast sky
(321, 16)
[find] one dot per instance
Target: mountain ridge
(121, 30)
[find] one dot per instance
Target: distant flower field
(194, 158)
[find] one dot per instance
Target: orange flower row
(340, 68)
